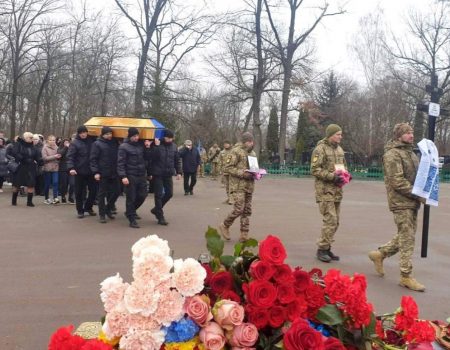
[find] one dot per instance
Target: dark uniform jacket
(104, 157)
(165, 160)
(400, 168)
(191, 159)
(325, 157)
(78, 155)
(132, 159)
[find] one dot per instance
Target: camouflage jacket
(235, 165)
(213, 154)
(400, 168)
(223, 155)
(203, 155)
(325, 157)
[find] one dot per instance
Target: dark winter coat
(62, 150)
(29, 158)
(104, 157)
(191, 159)
(165, 160)
(3, 162)
(132, 159)
(78, 155)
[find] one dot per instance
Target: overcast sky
(334, 34)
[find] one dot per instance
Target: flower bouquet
(248, 300)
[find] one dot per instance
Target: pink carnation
(150, 242)
(142, 340)
(188, 276)
(113, 290)
(143, 323)
(170, 307)
(141, 298)
(116, 324)
(152, 266)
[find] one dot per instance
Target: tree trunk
(138, 107)
(284, 108)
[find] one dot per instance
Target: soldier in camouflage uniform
(400, 168)
(241, 186)
(223, 156)
(327, 158)
(213, 158)
(204, 160)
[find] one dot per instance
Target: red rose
(333, 344)
(285, 293)
(277, 316)
(258, 316)
(284, 274)
(230, 295)
(302, 337)
(209, 273)
(261, 293)
(261, 270)
(302, 280)
(221, 281)
(296, 309)
(272, 250)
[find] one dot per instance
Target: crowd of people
(98, 170)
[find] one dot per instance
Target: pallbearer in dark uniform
(132, 169)
(104, 167)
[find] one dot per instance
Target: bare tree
(21, 24)
(287, 49)
(145, 24)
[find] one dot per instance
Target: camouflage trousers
(201, 170)
(330, 223)
(214, 170)
(242, 206)
(403, 240)
(226, 183)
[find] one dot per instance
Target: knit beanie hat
(332, 129)
(106, 130)
(401, 129)
(247, 137)
(169, 133)
(132, 132)
(81, 129)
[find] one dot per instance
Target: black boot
(162, 221)
(322, 255)
(14, 198)
(133, 223)
(30, 200)
(332, 256)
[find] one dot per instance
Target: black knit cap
(169, 133)
(132, 132)
(106, 130)
(81, 129)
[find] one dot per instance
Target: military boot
(224, 231)
(322, 255)
(411, 283)
(244, 236)
(377, 258)
(333, 256)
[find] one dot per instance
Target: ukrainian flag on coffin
(149, 128)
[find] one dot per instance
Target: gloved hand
(338, 180)
(247, 175)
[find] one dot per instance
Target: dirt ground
(51, 263)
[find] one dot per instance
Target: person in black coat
(165, 162)
(132, 168)
(66, 183)
(104, 166)
(191, 161)
(78, 166)
(29, 158)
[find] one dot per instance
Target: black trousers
(108, 192)
(66, 184)
(189, 187)
(136, 192)
(163, 187)
(81, 182)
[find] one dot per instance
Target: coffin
(149, 128)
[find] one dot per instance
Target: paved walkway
(51, 263)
